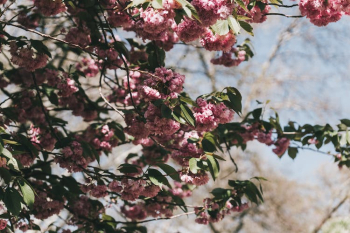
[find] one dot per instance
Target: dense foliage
(80, 78)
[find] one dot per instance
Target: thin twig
(281, 5)
(288, 16)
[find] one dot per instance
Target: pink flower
(99, 191)
(216, 42)
(189, 30)
(135, 212)
(320, 12)
(255, 14)
(282, 145)
(115, 186)
(79, 36)
(48, 8)
(209, 11)
(150, 191)
(198, 179)
(88, 67)
(24, 57)
(45, 207)
(312, 141)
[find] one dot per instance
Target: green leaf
(138, 2)
(89, 151)
(347, 137)
(259, 178)
(170, 171)
(27, 192)
(13, 201)
(217, 157)
(345, 122)
(134, 229)
(10, 142)
(253, 193)
(187, 114)
(5, 175)
(220, 193)
(187, 100)
(251, 4)
(275, 2)
(118, 130)
(234, 25)
(180, 202)
(242, 17)
(40, 47)
(71, 184)
(292, 152)
(247, 27)
(157, 4)
(120, 47)
(221, 27)
(235, 99)
(53, 98)
(257, 113)
(214, 167)
(166, 112)
(129, 168)
(72, 4)
(25, 141)
(193, 165)
(261, 5)
(157, 178)
(12, 162)
(241, 4)
(178, 118)
(109, 220)
(193, 140)
(189, 9)
(343, 139)
(208, 145)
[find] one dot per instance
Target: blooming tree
(56, 54)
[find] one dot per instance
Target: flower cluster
(209, 115)
(257, 13)
(226, 58)
(49, 8)
(28, 21)
(189, 30)
(79, 36)
(3, 224)
(200, 178)
(180, 190)
(162, 84)
(156, 209)
(43, 138)
(26, 58)
(101, 138)
(255, 131)
(88, 67)
(216, 42)
(322, 12)
(163, 121)
(210, 11)
(72, 158)
(45, 207)
(185, 150)
(96, 191)
(216, 213)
